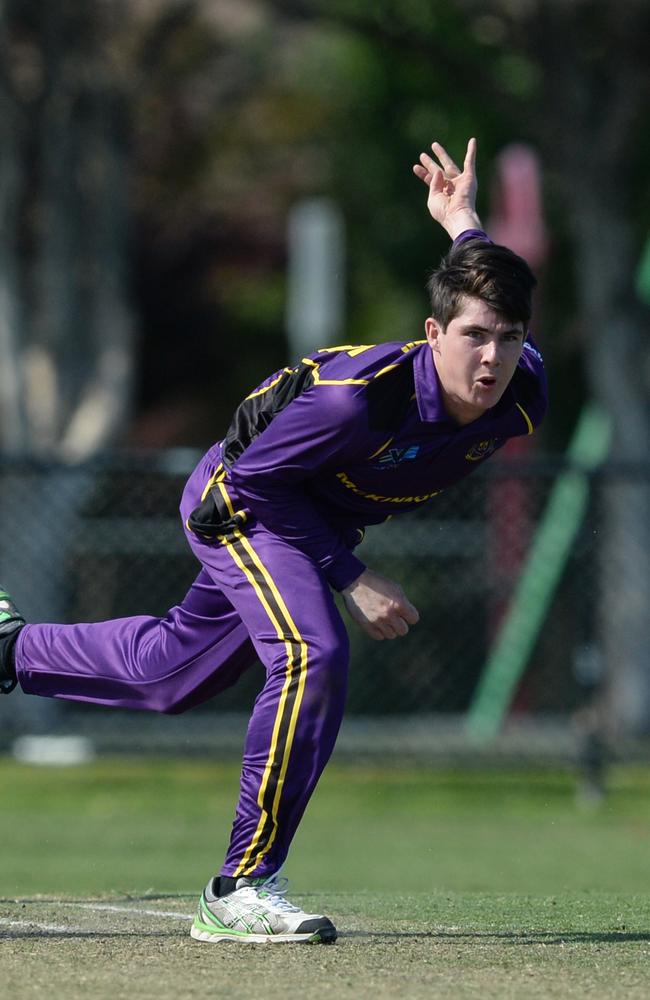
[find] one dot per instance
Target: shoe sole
(317, 937)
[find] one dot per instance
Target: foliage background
(151, 152)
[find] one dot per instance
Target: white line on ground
(130, 909)
(38, 926)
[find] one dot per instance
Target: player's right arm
(451, 197)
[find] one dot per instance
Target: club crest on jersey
(482, 449)
(395, 456)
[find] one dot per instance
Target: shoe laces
(272, 892)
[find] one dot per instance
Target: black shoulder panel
(389, 396)
(256, 412)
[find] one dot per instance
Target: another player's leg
(286, 605)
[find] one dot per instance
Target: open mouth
(487, 380)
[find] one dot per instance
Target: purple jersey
(348, 437)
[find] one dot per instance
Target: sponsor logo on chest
(395, 456)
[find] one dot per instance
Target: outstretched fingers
(452, 192)
(422, 173)
(427, 169)
(448, 165)
(469, 165)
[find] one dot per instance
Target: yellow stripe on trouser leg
(261, 579)
(226, 496)
(219, 473)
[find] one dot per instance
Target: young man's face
(475, 358)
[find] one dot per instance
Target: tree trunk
(13, 431)
(66, 331)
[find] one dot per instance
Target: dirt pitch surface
(139, 947)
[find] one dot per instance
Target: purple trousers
(255, 594)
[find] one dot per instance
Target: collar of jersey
(428, 394)
(428, 391)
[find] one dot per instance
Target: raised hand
(452, 191)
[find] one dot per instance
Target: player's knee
(164, 699)
(324, 657)
(330, 658)
(325, 688)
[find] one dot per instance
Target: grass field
(442, 884)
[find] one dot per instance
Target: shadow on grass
(527, 939)
(520, 938)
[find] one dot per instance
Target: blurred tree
(572, 75)
(236, 110)
(222, 150)
(174, 135)
(67, 334)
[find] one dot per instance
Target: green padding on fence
(643, 275)
(540, 577)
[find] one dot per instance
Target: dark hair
(485, 271)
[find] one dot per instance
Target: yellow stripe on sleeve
(529, 423)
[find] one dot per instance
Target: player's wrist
(461, 222)
(351, 587)
(345, 572)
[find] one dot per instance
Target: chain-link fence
(104, 541)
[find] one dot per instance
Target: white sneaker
(257, 912)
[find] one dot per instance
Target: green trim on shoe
(258, 915)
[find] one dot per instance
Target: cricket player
(273, 512)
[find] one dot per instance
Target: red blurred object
(516, 218)
(516, 221)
